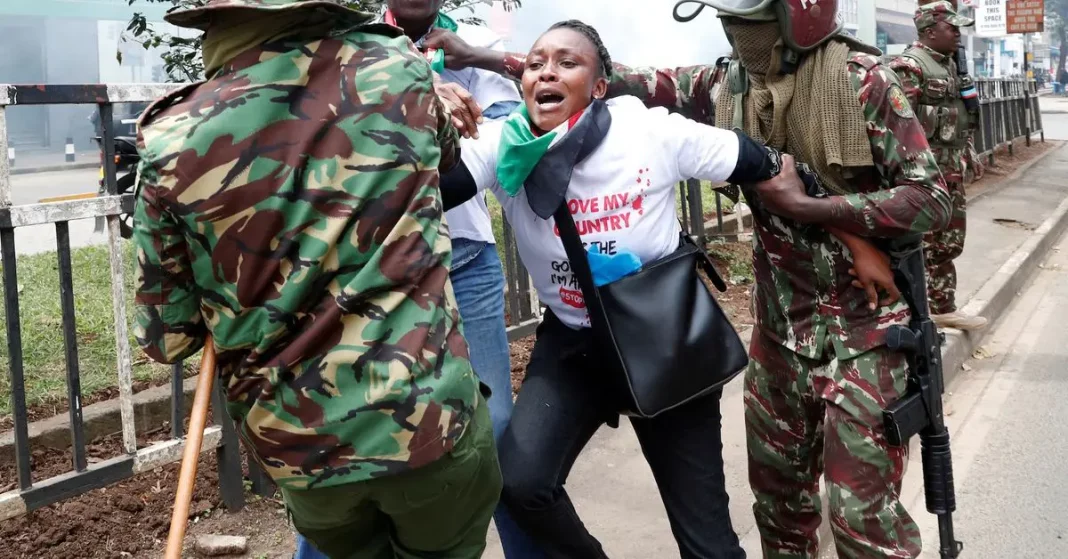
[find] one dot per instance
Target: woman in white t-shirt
(622, 198)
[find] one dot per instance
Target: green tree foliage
(181, 54)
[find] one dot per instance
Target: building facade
(849, 10)
(68, 41)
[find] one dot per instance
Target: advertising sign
(990, 18)
(1025, 16)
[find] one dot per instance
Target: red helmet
(805, 24)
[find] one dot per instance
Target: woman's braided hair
(594, 37)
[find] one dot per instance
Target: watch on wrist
(813, 184)
(775, 157)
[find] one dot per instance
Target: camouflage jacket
(910, 72)
(290, 207)
(804, 297)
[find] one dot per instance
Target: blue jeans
(478, 281)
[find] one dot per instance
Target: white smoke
(636, 32)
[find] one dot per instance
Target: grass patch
(44, 362)
(737, 256)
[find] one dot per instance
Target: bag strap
(704, 261)
(576, 255)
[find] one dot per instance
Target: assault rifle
(919, 411)
(967, 87)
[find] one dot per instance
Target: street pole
(1027, 86)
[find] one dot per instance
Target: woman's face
(562, 76)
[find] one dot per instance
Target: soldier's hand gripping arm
(168, 324)
(459, 54)
(914, 198)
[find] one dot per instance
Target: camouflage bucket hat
(929, 15)
(200, 16)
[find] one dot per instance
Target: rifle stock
(919, 411)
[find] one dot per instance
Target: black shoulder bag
(660, 331)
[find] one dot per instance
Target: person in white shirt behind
(477, 275)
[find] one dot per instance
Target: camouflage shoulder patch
(899, 101)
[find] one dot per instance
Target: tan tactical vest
(941, 110)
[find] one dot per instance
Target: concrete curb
(152, 407)
(55, 168)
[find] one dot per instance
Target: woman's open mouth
(548, 100)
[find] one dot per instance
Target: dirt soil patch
(132, 518)
(1006, 164)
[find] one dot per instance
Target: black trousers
(560, 407)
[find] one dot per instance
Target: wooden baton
(191, 455)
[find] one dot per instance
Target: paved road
(1056, 126)
(1010, 431)
(1054, 117)
(29, 189)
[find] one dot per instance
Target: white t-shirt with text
(622, 197)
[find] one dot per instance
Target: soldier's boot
(959, 320)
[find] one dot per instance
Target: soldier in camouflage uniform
(289, 206)
(937, 93)
(821, 373)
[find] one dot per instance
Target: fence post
(70, 343)
(228, 454)
(12, 321)
(1036, 110)
(261, 483)
(697, 211)
(511, 304)
(719, 211)
(178, 400)
(684, 204)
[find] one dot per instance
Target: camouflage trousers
(809, 417)
(941, 248)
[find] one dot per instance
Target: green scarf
(520, 149)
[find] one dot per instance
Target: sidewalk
(29, 161)
(1053, 104)
(1008, 229)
